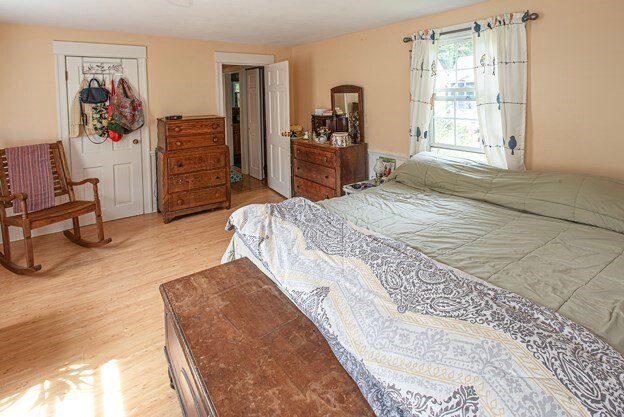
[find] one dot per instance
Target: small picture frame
(390, 166)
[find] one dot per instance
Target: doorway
(277, 114)
(244, 114)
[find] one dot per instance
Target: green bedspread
(532, 233)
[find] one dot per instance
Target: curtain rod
(527, 16)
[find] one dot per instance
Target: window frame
(459, 37)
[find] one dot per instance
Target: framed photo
(390, 165)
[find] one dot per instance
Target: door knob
(135, 141)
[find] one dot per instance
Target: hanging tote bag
(93, 111)
(99, 121)
(127, 109)
(94, 94)
(115, 132)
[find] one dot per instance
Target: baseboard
(373, 154)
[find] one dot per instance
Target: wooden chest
(321, 170)
(192, 165)
(237, 346)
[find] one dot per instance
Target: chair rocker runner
(73, 209)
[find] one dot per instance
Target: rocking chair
(63, 185)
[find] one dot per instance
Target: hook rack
(99, 68)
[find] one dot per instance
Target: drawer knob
(325, 159)
(217, 177)
(215, 139)
(180, 164)
(177, 129)
(326, 196)
(180, 202)
(178, 143)
(298, 168)
(326, 177)
(214, 126)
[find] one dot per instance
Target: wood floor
(248, 183)
(84, 336)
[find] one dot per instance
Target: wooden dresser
(193, 166)
(321, 170)
(237, 346)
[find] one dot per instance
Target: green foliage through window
(455, 123)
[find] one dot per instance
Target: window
(455, 124)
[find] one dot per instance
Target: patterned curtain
(501, 87)
(422, 86)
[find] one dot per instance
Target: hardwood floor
(248, 183)
(84, 336)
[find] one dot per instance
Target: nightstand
(356, 187)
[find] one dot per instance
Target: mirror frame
(352, 89)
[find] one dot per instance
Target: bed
(536, 243)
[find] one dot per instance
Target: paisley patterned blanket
(421, 338)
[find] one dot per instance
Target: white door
(277, 110)
(118, 165)
(254, 124)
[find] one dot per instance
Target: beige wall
(575, 87)
(181, 77)
(576, 58)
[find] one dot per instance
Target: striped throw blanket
(30, 172)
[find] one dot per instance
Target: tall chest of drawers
(192, 166)
(321, 170)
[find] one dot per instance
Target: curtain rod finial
(529, 16)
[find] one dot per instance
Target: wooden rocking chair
(63, 185)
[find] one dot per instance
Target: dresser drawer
(196, 162)
(315, 156)
(311, 190)
(317, 173)
(202, 179)
(198, 127)
(188, 199)
(198, 141)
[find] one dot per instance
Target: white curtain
(501, 87)
(422, 86)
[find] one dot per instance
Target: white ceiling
(278, 22)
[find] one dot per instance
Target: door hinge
(66, 75)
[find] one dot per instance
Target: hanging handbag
(94, 95)
(127, 109)
(115, 132)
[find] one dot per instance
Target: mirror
(348, 106)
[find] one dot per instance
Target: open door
(255, 123)
(277, 108)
